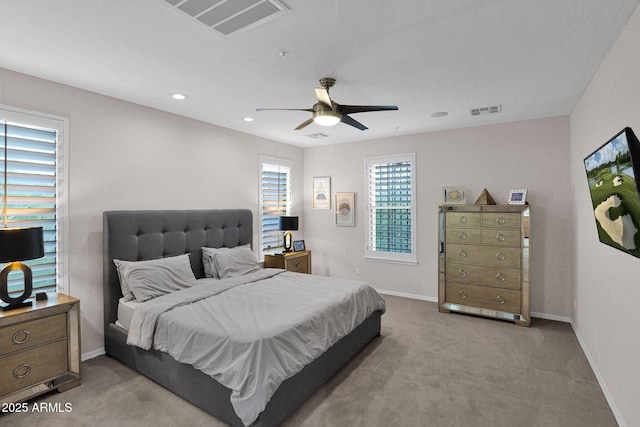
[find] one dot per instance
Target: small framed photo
(454, 196)
(345, 215)
(298, 245)
(322, 192)
(517, 197)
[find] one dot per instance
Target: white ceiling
(533, 57)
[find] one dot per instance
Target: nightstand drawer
(30, 367)
(298, 264)
(29, 334)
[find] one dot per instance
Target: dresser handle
(462, 253)
(17, 370)
(500, 256)
(15, 339)
(500, 277)
(462, 294)
(501, 220)
(298, 264)
(501, 237)
(463, 220)
(500, 299)
(462, 235)
(462, 273)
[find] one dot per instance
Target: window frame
(369, 210)
(278, 162)
(28, 118)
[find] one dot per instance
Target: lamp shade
(288, 223)
(19, 244)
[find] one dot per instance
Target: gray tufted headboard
(151, 234)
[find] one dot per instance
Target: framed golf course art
(613, 171)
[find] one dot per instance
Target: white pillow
(150, 279)
(235, 262)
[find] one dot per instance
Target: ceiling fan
(328, 113)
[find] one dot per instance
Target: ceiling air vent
(317, 135)
(485, 110)
(227, 17)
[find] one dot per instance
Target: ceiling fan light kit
(329, 113)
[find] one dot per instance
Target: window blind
(275, 199)
(31, 189)
(390, 208)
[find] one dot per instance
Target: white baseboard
(603, 386)
(92, 354)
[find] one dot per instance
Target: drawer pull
(501, 220)
(501, 237)
(462, 294)
(298, 264)
(462, 253)
(500, 299)
(463, 220)
(22, 371)
(16, 337)
(462, 273)
(500, 256)
(462, 235)
(501, 277)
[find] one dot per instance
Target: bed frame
(143, 235)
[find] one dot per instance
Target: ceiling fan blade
(285, 109)
(350, 109)
(349, 121)
(305, 124)
(323, 96)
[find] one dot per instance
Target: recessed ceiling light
(178, 96)
(439, 114)
(248, 119)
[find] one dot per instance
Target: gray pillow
(153, 278)
(207, 261)
(235, 262)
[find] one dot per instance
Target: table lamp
(286, 224)
(19, 244)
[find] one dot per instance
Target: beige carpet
(427, 369)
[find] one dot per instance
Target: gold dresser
(40, 348)
(484, 262)
(298, 262)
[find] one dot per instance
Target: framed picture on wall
(345, 215)
(322, 192)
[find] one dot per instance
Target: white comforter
(252, 332)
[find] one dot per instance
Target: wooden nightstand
(40, 348)
(299, 262)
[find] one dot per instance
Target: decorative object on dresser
(517, 197)
(345, 215)
(40, 348)
(298, 262)
(18, 244)
(298, 245)
(287, 224)
(484, 261)
(485, 198)
(454, 195)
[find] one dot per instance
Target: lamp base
(15, 306)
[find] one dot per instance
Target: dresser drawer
(463, 235)
(483, 296)
(298, 264)
(463, 219)
(501, 237)
(29, 334)
(501, 220)
(484, 255)
(497, 277)
(30, 367)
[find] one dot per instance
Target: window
(390, 208)
(31, 162)
(275, 200)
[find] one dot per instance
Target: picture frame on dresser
(298, 245)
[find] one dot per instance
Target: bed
(154, 234)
